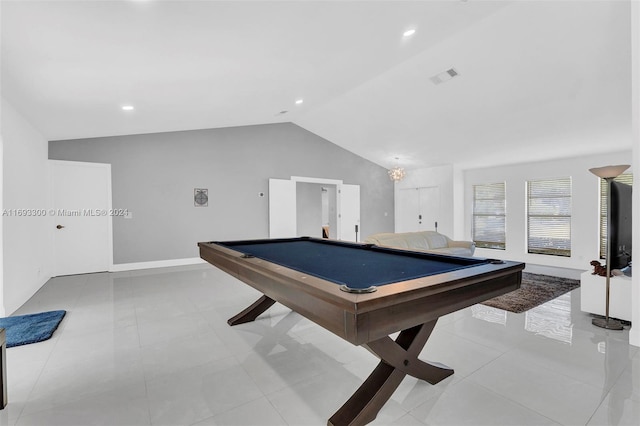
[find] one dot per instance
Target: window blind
(626, 178)
(489, 216)
(549, 216)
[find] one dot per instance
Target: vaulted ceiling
(537, 79)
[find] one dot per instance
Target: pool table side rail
(360, 318)
(408, 313)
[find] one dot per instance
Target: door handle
(60, 226)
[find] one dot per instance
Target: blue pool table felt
(354, 266)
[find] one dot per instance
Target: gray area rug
(535, 290)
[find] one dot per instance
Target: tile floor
(153, 347)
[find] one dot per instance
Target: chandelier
(396, 174)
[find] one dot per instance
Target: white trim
(110, 221)
(556, 271)
(120, 267)
(316, 180)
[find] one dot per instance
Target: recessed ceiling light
(409, 33)
(127, 108)
(299, 101)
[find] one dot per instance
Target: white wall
(441, 176)
(584, 215)
(26, 240)
(634, 333)
(2, 310)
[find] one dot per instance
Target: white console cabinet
(593, 295)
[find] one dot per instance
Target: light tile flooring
(153, 347)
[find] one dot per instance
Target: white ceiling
(538, 79)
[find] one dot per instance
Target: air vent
(444, 76)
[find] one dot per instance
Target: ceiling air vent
(444, 76)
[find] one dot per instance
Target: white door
(418, 209)
(82, 240)
(349, 212)
(429, 200)
(282, 208)
(408, 210)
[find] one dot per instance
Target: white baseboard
(554, 271)
(155, 264)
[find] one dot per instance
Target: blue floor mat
(32, 328)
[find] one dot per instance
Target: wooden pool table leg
(397, 359)
(253, 311)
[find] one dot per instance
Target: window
(489, 214)
(549, 216)
(626, 178)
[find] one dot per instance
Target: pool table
(364, 293)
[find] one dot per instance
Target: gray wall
(154, 175)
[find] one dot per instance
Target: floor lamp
(608, 173)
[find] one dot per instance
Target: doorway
(285, 203)
(316, 210)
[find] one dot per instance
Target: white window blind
(549, 216)
(489, 215)
(626, 178)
